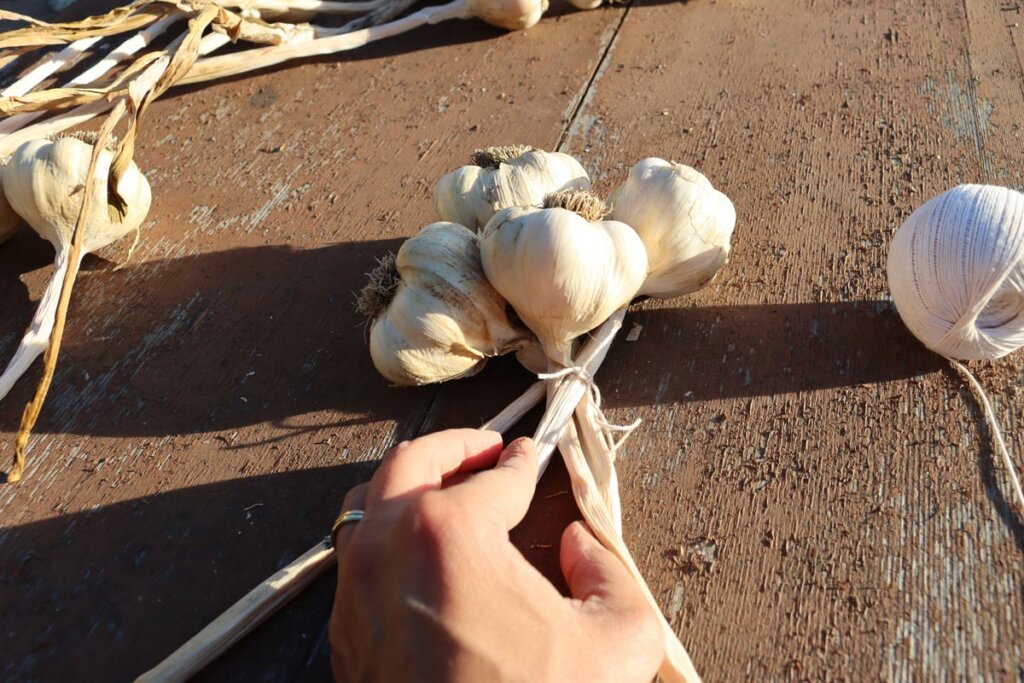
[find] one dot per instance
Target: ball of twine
(956, 272)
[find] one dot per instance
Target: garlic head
(502, 177)
(685, 223)
(512, 15)
(434, 316)
(43, 182)
(563, 269)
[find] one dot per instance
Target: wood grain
(812, 494)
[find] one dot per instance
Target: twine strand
(993, 424)
(608, 429)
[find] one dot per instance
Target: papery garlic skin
(585, 4)
(43, 182)
(563, 274)
(512, 15)
(685, 223)
(502, 178)
(444, 320)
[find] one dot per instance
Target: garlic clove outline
(502, 177)
(562, 268)
(685, 223)
(434, 316)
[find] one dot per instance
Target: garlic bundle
(434, 316)
(684, 222)
(503, 177)
(44, 181)
(563, 269)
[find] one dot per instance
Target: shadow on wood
(213, 341)
(715, 352)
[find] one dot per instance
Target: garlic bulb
(684, 222)
(43, 182)
(434, 316)
(563, 269)
(40, 182)
(512, 15)
(502, 177)
(956, 272)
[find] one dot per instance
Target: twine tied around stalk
(608, 429)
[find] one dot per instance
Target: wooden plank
(215, 399)
(812, 493)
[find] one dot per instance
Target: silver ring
(346, 517)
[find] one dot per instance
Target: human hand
(431, 589)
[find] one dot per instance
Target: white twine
(956, 273)
(608, 429)
(993, 424)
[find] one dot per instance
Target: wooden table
(812, 494)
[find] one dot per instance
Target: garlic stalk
(434, 316)
(503, 177)
(79, 115)
(43, 182)
(302, 10)
(508, 14)
(49, 66)
(121, 53)
(556, 429)
(684, 222)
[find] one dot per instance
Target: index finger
(423, 464)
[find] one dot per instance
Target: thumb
(594, 574)
(613, 604)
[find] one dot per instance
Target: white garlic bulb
(502, 177)
(684, 222)
(512, 15)
(956, 272)
(42, 182)
(563, 269)
(434, 316)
